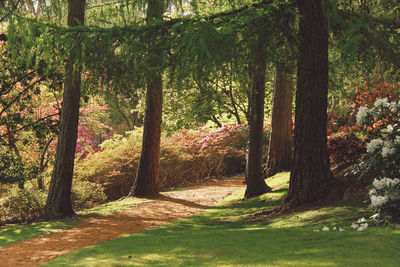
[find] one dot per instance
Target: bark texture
(255, 179)
(58, 203)
(281, 139)
(311, 177)
(146, 182)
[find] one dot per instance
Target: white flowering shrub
(382, 160)
(385, 199)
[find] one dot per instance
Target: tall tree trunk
(255, 179)
(147, 180)
(281, 139)
(58, 203)
(311, 177)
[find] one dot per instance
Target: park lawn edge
(228, 235)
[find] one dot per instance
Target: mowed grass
(228, 235)
(10, 234)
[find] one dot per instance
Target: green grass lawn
(10, 234)
(227, 236)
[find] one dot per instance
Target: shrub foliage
(186, 157)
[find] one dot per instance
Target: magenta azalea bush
(91, 130)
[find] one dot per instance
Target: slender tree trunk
(255, 179)
(58, 203)
(281, 139)
(147, 180)
(44, 160)
(311, 177)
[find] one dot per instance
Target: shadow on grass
(10, 234)
(206, 241)
(179, 201)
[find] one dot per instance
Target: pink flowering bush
(91, 131)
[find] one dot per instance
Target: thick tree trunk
(146, 182)
(311, 177)
(255, 179)
(58, 203)
(281, 139)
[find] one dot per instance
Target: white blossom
(334, 228)
(362, 227)
(372, 191)
(377, 201)
(354, 226)
(362, 114)
(374, 145)
(388, 130)
(325, 228)
(341, 230)
(381, 102)
(380, 184)
(316, 230)
(361, 220)
(394, 106)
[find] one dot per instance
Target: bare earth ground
(162, 209)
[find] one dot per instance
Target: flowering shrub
(186, 158)
(382, 160)
(91, 131)
(385, 198)
(365, 95)
(382, 114)
(345, 147)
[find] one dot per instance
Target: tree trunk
(311, 177)
(147, 180)
(14, 148)
(58, 203)
(281, 139)
(44, 160)
(255, 180)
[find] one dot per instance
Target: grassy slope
(10, 234)
(226, 236)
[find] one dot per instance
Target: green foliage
(85, 194)
(12, 170)
(227, 236)
(25, 205)
(22, 205)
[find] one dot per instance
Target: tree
(310, 177)
(255, 180)
(58, 203)
(281, 139)
(146, 182)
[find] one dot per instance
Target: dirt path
(160, 210)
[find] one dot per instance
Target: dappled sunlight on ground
(154, 213)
